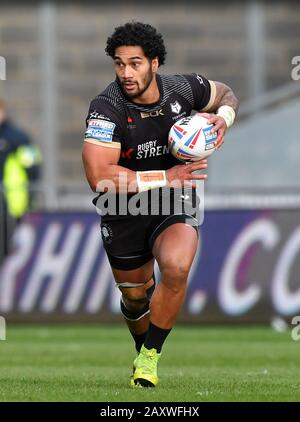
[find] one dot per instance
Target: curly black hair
(140, 34)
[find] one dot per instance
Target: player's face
(134, 70)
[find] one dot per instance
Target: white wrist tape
(151, 179)
(227, 113)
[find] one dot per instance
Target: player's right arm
(102, 169)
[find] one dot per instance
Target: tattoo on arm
(224, 96)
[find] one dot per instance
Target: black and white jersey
(141, 131)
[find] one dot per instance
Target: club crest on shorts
(107, 233)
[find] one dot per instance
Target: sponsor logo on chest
(155, 113)
(150, 149)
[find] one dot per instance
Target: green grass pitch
(93, 363)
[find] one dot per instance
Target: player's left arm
(224, 106)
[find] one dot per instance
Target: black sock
(139, 340)
(156, 337)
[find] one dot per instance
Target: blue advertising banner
(246, 269)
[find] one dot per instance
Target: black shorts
(128, 239)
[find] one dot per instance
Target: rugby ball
(191, 139)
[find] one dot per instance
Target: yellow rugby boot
(145, 364)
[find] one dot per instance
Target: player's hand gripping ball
(192, 139)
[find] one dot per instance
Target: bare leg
(174, 250)
(135, 299)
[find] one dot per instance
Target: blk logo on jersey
(156, 113)
(176, 107)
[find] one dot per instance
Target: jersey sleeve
(103, 125)
(204, 91)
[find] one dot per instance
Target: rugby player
(127, 134)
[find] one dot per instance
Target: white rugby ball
(191, 139)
